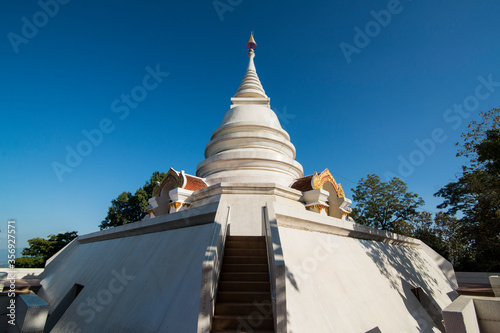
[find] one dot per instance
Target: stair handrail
(267, 228)
(219, 257)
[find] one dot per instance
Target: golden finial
(251, 44)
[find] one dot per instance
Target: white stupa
(249, 244)
(250, 146)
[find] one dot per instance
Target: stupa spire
(250, 146)
(250, 90)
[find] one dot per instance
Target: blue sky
(360, 111)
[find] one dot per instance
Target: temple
(248, 244)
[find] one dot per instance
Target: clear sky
(382, 87)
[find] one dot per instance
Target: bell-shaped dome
(251, 114)
(250, 146)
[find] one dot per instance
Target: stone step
(243, 302)
(244, 286)
(245, 245)
(244, 260)
(263, 308)
(256, 239)
(242, 323)
(243, 296)
(245, 252)
(243, 331)
(232, 268)
(244, 276)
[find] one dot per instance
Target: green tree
(128, 207)
(426, 230)
(475, 195)
(385, 205)
(403, 227)
(30, 262)
(450, 230)
(40, 250)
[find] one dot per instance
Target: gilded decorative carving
(176, 205)
(340, 191)
(319, 208)
(326, 177)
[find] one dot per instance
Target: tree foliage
(389, 206)
(451, 233)
(475, 195)
(468, 232)
(40, 250)
(30, 262)
(128, 207)
(385, 205)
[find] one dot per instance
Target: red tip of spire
(251, 44)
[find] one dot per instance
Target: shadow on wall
(291, 278)
(408, 273)
(30, 276)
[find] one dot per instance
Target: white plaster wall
(246, 201)
(161, 295)
(246, 212)
(343, 284)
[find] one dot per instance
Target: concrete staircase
(243, 301)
